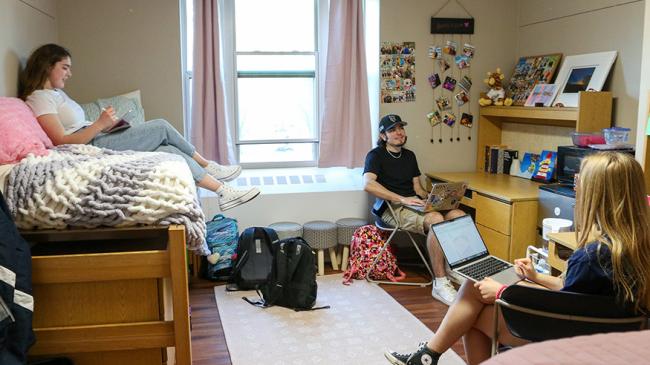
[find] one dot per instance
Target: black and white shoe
(423, 356)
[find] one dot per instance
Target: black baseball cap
(389, 121)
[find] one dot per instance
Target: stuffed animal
(496, 95)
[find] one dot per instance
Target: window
(276, 104)
(271, 63)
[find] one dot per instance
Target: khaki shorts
(412, 221)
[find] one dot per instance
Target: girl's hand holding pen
(106, 118)
(524, 268)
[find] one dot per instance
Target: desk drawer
(498, 244)
(492, 213)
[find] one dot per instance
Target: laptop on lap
(468, 255)
(443, 196)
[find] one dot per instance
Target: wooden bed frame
(111, 296)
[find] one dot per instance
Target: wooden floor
(209, 344)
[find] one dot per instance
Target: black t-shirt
(395, 174)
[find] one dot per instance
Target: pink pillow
(20, 133)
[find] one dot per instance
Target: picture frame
(529, 71)
(585, 72)
(542, 94)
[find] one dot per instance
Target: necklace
(393, 156)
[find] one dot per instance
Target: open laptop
(468, 255)
(443, 196)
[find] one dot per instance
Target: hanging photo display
(451, 53)
(397, 64)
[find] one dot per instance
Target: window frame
(281, 74)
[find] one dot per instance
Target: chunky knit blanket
(85, 186)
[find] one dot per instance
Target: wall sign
(452, 25)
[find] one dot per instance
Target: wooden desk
(506, 209)
(558, 242)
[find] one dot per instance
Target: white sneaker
(443, 291)
(230, 197)
(222, 172)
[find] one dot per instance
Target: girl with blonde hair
(612, 259)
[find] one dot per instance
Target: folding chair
(537, 314)
(393, 231)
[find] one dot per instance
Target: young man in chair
(392, 175)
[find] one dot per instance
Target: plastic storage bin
(584, 139)
(616, 135)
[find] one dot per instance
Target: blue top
(589, 271)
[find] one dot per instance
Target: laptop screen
(459, 240)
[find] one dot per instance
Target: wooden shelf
(522, 114)
(593, 114)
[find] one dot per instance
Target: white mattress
(5, 170)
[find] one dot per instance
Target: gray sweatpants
(153, 136)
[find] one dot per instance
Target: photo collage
(397, 67)
(530, 71)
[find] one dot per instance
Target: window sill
(298, 180)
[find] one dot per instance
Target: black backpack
(254, 259)
(292, 281)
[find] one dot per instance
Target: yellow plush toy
(496, 95)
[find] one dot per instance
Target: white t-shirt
(55, 101)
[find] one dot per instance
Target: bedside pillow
(121, 103)
(20, 133)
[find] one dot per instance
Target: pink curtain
(345, 126)
(210, 133)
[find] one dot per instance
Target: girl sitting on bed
(611, 207)
(63, 120)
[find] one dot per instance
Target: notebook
(468, 255)
(122, 123)
(443, 196)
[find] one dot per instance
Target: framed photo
(585, 72)
(542, 93)
(529, 71)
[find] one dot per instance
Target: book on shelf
(494, 158)
(508, 156)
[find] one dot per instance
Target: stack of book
(498, 159)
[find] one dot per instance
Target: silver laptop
(468, 255)
(443, 196)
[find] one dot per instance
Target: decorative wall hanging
(397, 66)
(529, 71)
(451, 53)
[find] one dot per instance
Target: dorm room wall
(495, 40)
(119, 46)
(24, 25)
(578, 27)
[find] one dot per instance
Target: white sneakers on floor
(443, 290)
(230, 197)
(223, 172)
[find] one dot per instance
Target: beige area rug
(361, 324)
